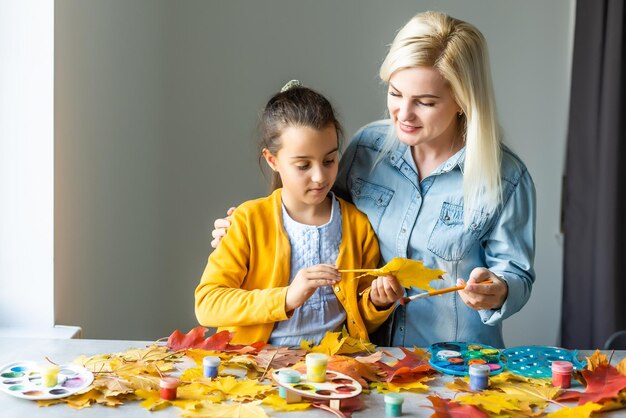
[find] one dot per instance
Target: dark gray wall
(156, 104)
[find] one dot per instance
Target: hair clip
(291, 84)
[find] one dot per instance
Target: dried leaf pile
(244, 390)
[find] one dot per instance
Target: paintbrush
(407, 299)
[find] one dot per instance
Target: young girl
(274, 277)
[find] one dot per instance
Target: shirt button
(401, 329)
(337, 289)
(404, 230)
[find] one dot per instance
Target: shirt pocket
(371, 199)
(449, 238)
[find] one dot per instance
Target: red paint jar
(168, 386)
(562, 374)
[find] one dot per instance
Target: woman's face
(422, 108)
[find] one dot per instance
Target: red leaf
(446, 408)
(603, 382)
(195, 339)
(246, 349)
(413, 366)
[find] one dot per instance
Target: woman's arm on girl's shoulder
(220, 227)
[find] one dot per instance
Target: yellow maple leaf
(280, 404)
(221, 410)
(621, 367)
(582, 411)
(410, 273)
(339, 343)
(152, 400)
(507, 377)
(490, 401)
(198, 392)
(597, 359)
(197, 354)
(238, 389)
(535, 395)
(459, 385)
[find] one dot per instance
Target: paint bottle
(393, 404)
(287, 376)
(316, 367)
(211, 364)
(562, 374)
(479, 376)
(49, 375)
(168, 386)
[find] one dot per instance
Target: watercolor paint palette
(24, 380)
(337, 386)
(456, 357)
(535, 361)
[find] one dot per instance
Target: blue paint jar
(393, 404)
(211, 365)
(479, 376)
(287, 376)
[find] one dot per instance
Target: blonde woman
(438, 185)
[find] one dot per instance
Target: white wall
(155, 110)
(26, 163)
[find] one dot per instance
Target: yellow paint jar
(316, 367)
(49, 375)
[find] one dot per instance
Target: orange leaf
(603, 382)
(355, 369)
(445, 408)
(413, 366)
(195, 339)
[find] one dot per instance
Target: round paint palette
(24, 380)
(456, 357)
(535, 361)
(336, 386)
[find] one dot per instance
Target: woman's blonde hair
(458, 51)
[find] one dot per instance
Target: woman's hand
(220, 228)
(385, 291)
(307, 281)
(483, 296)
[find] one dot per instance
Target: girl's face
(307, 163)
(421, 107)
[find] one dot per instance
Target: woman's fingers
(479, 295)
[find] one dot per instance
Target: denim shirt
(322, 312)
(425, 221)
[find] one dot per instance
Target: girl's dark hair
(297, 106)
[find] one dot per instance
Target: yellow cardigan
(244, 284)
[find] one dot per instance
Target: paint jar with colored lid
(210, 365)
(316, 367)
(393, 404)
(168, 387)
(287, 376)
(562, 374)
(479, 376)
(49, 375)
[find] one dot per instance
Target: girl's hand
(385, 291)
(307, 281)
(483, 296)
(221, 227)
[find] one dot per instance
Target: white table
(63, 351)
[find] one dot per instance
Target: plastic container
(287, 376)
(479, 376)
(562, 374)
(168, 387)
(49, 375)
(211, 365)
(316, 367)
(393, 404)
